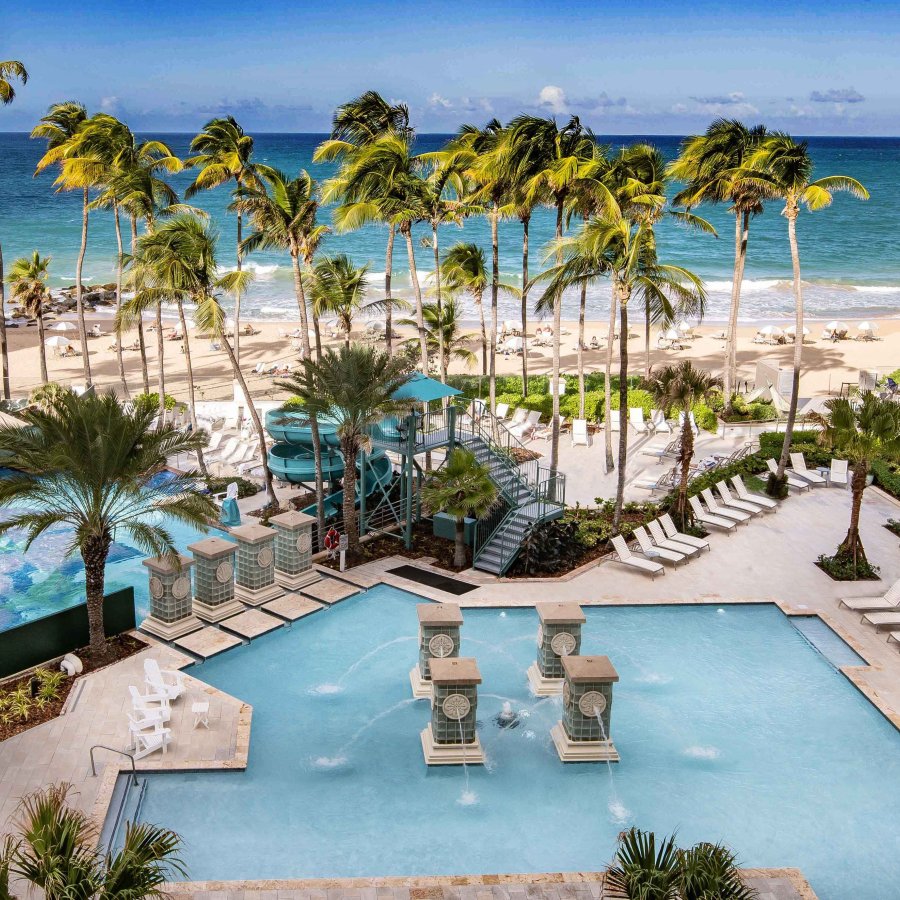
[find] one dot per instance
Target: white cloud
(553, 98)
(732, 104)
(436, 101)
(837, 95)
(735, 97)
(109, 105)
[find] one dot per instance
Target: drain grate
(432, 579)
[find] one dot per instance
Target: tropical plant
(61, 128)
(862, 430)
(10, 69)
(28, 280)
(54, 849)
(446, 340)
(462, 488)
(89, 465)
(680, 387)
(712, 167)
(463, 271)
(354, 387)
(783, 168)
(339, 289)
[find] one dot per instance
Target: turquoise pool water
(730, 726)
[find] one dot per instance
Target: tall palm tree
(711, 166)
(339, 289)
(446, 340)
(463, 271)
(354, 386)
(355, 124)
(784, 168)
(61, 127)
(862, 432)
(54, 849)
(9, 69)
(680, 387)
(223, 153)
(28, 280)
(90, 465)
(462, 488)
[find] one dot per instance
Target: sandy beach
(826, 365)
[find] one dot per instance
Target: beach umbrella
(773, 330)
(836, 326)
(56, 341)
(670, 334)
(514, 343)
(62, 326)
(792, 329)
(867, 326)
(684, 327)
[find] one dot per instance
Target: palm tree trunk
(388, 317)
(161, 365)
(526, 221)
(417, 291)
(351, 527)
(79, 302)
(581, 310)
(119, 355)
(254, 417)
(442, 361)
(623, 406)
(557, 339)
(647, 340)
(687, 453)
(192, 409)
(607, 382)
(459, 547)
(798, 347)
(140, 319)
(484, 340)
(4, 348)
(741, 236)
(313, 423)
(40, 320)
(851, 548)
(495, 287)
(94, 552)
(237, 297)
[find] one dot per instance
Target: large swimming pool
(730, 727)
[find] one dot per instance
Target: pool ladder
(119, 799)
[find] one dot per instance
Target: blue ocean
(849, 252)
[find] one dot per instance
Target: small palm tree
(863, 432)
(28, 280)
(446, 340)
(679, 387)
(339, 289)
(55, 850)
(353, 387)
(462, 488)
(464, 271)
(88, 464)
(710, 870)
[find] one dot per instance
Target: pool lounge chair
(651, 551)
(524, 430)
(518, 417)
(671, 449)
(502, 411)
(792, 481)
(742, 492)
(889, 600)
(636, 419)
(615, 422)
(660, 539)
(882, 620)
(707, 518)
(659, 423)
(627, 558)
(718, 509)
(664, 483)
(580, 433)
(799, 463)
(673, 534)
(737, 503)
(839, 473)
(163, 681)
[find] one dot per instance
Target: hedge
(887, 477)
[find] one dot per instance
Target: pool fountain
(583, 735)
(559, 635)
(439, 625)
(293, 549)
(214, 598)
(255, 572)
(450, 738)
(171, 615)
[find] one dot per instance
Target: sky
(631, 67)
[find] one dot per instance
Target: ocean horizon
(848, 252)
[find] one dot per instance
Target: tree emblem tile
(224, 572)
(265, 558)
(156, 588)
(456, 707)
(441, 646)
(592, 704)
(181, 588)
(562, 644)
(304, 542)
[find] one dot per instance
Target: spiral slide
(291, 458)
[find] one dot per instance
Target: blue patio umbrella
(423, 389)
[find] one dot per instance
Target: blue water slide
(379, 472)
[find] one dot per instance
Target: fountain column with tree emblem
(439, 625)
(583, 733)
(255, 558)
(214, 579)
(170, 598)
(559, 635)
(450, 738)
(293, 549)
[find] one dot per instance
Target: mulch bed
(424, 543)
(120, 647)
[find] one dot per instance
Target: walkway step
(252, 623)
(329, 591)
(208, 642)
(292, 607)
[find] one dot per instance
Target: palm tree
(711, 166)
(9, 70)
(862, 431)
(28, 279)
(339, 289)
(784, 168)
(54, 849)
(223, 153)
(463, 271)
(355, 124)
(354, 387)
(462, 488)
(61, 127)
(680, 387)
(90, 465)
(446, 341)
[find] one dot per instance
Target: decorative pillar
(583, 733)
(214, 579)
(559, 636)
(438, 639)
(170, 598)
(294, 549)
(255, 575)
(450, 738)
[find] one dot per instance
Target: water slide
(291, 458)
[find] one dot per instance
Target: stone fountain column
(293, 549)
(439, 625)
(450, 738)
(255, 577)
(170, 598)
(587, 694)
(214, 579)
(559, 636)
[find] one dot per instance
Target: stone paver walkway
(292, 607)
(252, 623)
(208, 641)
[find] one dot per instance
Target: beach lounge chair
(882, 620)
(149, 741)
(742, 492)
(636, 419)
(701, 515)
(580, 433)
(615, 422)
(518, 418)
(655, 551)
(149, 703)
(886, 602)
(660, 539)
(727, 512)
(524, 430)
(739, 503)
(799, 463)
(502, 411)
(839, 473)
(627, 558)
(659, 423)
(671, 449)
(664, 482)
(792, 481)
(674, 534)
(163, 681)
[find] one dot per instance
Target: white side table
(201, 714)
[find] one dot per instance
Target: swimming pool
(729, 724)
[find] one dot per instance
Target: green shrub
(593, 405)
(705, 417)
(843, 568)
(152, 400)
(887, 477)
(549, 548)
(245, 488)
(636, 398)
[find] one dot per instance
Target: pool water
(729, 724)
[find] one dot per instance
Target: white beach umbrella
(792, 329)
(685, 327)
(56, 341)
(670, 334)
(62, 326)
(773, 330)
(514, 343)
(836, 326)
(867, 326)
